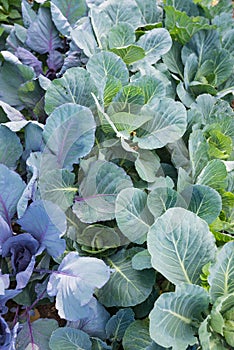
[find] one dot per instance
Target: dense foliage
(117, 174)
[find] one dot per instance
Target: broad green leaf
(155, 43)
(98, 191)
(181, 26)
(58, 187)
(98, 344)
(105, 64)
(126, 286)
(30, 93)
(151, 87)
(142, 260)
(214, 174)
(163, 198)
(10, 147)
(65, 13)
(75, 86)
(69, 339)
(221, 278)
(131, 211)
(203, 201)
(168, 124)
(221, 317)
(69, 133)
(129, 99)
(198, 88)
(83, 36)
(130, 53)
(142, 310)
(38, 336)
(98, 238)
(121, 34)
(138, 333)
(147, 165)
(176, 316)
(186, 6)
(117, 324)
(220, 145)
(112, 87)
(180, 244)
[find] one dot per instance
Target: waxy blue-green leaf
(138, 333)
(126, 286)
(202, 45)
(118, 12)
(150, 11)
(68, 338)
(75, 86)
(142, 260)
(176, 316)
(83, 36)
(121, 34)
(221, 277)
(203, 201)
(180, 244)
(155, 43)
(37, 336)
(117, 324)
(151, 87)
(10, 147)
(58, 187)
(69, 133)
(147, 165)
(105, 64)
(131, 211)
(163, 198)
(198, 151)
(98, 191)
(173, 61)
(168, 124)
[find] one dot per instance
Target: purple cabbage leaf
(46, 222)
